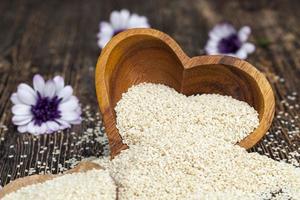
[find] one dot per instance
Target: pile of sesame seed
(92, 185)
(184, 148)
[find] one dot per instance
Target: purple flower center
(116, 32)
(45, 109)
(230, 44)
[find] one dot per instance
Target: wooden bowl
(35, 179)
(147, 55)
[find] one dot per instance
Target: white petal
(65, 93)
(14, 98)
(78, 111)
(37, 130)
(69, 105)
(43, 128)
(105, 35)
(31, 128)
(21, 109)
(26, 96)
(70, 116)
(102, 42)
(244, 33)
(52, 126)
(21, 120)
(106, 29)
(59, 83)
(213, 36)
(22, 129)
(26, 87)
(248, 47)
(115, 20)
(242, 54)
(63, 124)
(211, 51)
(49, 89)
(124, 17)
(212, 45)
(137, 21)
(24, 122)
(40, 130)
(21, 117)
(227, 29)
(39, 84)
(222, 30)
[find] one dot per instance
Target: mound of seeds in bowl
(184, 148)
(91, 185)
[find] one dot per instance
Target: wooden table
(59, 37)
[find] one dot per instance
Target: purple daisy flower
(47, 107)
(119, 21)
(226, 40)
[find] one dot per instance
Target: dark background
(59, 37)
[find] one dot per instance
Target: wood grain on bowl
(147, 55)
(31, 180)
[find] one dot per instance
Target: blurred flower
(47, 107)
(224, 39)
(119, 21)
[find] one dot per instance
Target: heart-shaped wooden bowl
(148, 55)
(35, 179)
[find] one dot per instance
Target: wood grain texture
(59, 37)
(147, 55)
(35, 179)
